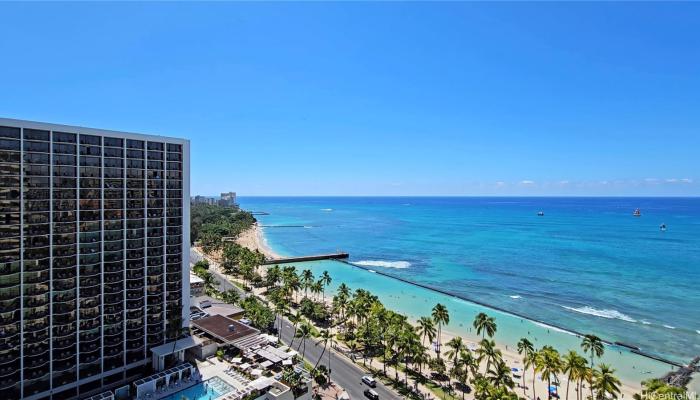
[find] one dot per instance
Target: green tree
(303, 333)
(527, 350)
(307, 279)
(426, 329)
(500, 375)
(550, 364)
(487, 351)
(484, 325)
(325, 281)
(574, 365)
(441, 317)
(230, 296)
(456, 346)
(605, 384)
(594, 346)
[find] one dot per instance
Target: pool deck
(213, 367)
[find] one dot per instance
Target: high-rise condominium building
(228, 199)
(94, 253)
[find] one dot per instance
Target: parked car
(371, 394)
(369, 381)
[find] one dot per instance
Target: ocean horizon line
(470, 196)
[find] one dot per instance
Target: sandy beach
(254, 239)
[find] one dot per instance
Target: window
(42, 147)
(175, 147)
(114, 162)
(64, 137)
(90, 139)
(112, 152)
(36, 158)
(134, 144)
(63, 148)
(155, 155)
(90, 151)
(9, 144)
(36, 134)
(155, 146)
(90, 162)
(114, 142)
(9, 132)
(59, 159)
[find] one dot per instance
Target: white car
(369, 381)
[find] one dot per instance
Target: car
(371, 394)
(369, 381)
(205, 303)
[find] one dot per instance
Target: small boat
(540, 213)
(662, 227)
(637, 212)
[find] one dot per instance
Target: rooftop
(223, 328)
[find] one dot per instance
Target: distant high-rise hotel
(94, 254)
(228, 199)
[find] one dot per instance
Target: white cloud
(527, 182)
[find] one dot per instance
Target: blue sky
(378, 98)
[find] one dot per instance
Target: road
(344, 372)
(224, 283)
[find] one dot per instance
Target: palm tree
(441, 317)
(426, 329)
(230, 296)
(316, 288)
(325, 281)
(325, 337)
(593, 345)
(307, 278)
(526, 349)
(488, 351)
(456, 346)
(550, 365)
(574, 366)
(484, 325)
(280, 309)
(500, 376)
(605, 383)
(344, 290)
(531, 360)
(272, 276)
(303, 333)
(466, 364)
(295, 319)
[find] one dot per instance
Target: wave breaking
(383, 264)
(609, 314)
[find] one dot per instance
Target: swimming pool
(208, 390)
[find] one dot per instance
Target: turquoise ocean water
(587, 265)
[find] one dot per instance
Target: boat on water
(540, 213)
(662, 227)
(637, 212)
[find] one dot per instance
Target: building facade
(94, 256)
(228, 199)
